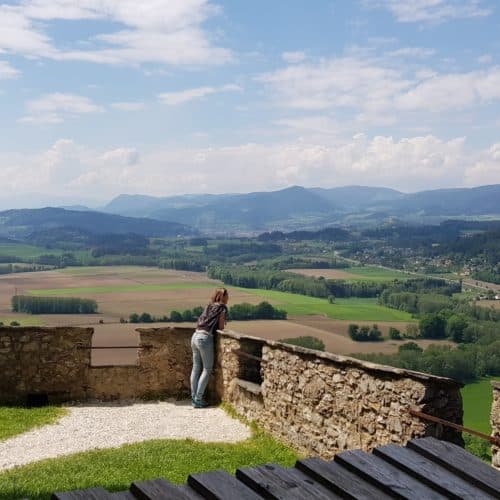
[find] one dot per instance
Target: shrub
(394, 333)
(410, 346)
(15, 323)
(176, 317)
(365, 333)
(307, 341)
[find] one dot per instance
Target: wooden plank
(220, 485)
(385, 476)
(89, 494)
(460, 462)
(189, 493)
(274, 482)
(340, 480)
(158, 489)
(430, 473)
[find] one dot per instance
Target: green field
(373, 273)
(22, 320)
(21, 251)
(477, 401)
(346, 309)
(118, 288)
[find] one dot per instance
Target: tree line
(53, 305)
(237, 312)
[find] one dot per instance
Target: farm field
(477, 401)
(121, 290)
(355, 273)
(354, 309)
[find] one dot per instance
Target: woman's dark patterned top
(209, 319)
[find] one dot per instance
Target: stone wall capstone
(495, 423)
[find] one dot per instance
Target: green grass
(477, 401)
(346, 309)
(23, 321)
(25, 251)
(118, 288)
(115, 469)
(16, 420)
(373, 273)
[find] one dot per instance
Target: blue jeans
(202, 345)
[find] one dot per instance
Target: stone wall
(495, 423)
(56, 363)
(50, 361)
(321, 403)
(163, 368)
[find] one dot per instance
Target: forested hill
(20, 223)
(311, 208)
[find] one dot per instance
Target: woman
(213, 318)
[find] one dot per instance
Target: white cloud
(409, 164)
(293, 57)
(121, 156)
(485, 59)
(8, 72)
(183, 96)
(128, 106)
(378, 90)
(56, 107)
(164, 31)
(431, 11)
(452, 91)
(415, 52)
(486, 170)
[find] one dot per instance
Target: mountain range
(299, 208)
(289, 209)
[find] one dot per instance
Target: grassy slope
(373, 273)
(22, 320)
(116, 469)
(348, 309)
(15, 420)
(477, 400)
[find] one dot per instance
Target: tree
(307, 341)
(134, 318)
(176, 317)
(432, 326)
(188, 315)
(412, 331)
(353, 331)
(394, 333)
(145, 318)
(455, 327)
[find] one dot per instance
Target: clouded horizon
(166, 97)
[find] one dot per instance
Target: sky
(166, 97)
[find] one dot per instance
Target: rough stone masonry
(319, 403)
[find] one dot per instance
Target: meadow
(355, 273)
(477, 401)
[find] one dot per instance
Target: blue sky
(102, 97)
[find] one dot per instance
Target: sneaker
(200, 403)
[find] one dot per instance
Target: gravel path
(109, 425)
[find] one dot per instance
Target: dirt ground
(116, 304)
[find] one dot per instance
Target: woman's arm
(222, 320)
